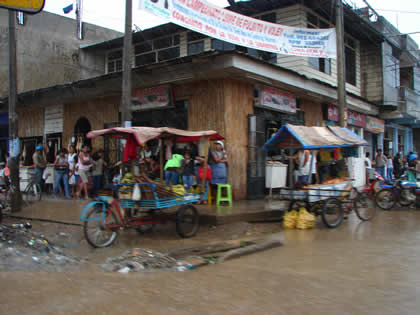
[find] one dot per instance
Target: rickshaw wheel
(95, 233)
(187, 221)
(332, 213)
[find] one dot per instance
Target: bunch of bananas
(305, 220)
(127, 190)
(290, 218)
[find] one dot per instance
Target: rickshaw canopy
(144, 134)
(312, 138)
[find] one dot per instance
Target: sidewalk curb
(239, 252)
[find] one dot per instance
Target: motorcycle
(400, 191)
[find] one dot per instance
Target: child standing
(187, 171)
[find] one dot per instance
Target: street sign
(27, 6)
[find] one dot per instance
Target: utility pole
(341, 63)
(13, 163)
(126, 75)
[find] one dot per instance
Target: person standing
(302, 158)
(85, 164)
(219, 168)
(98, 171)
(40, 163)
(71, 159)
(380, 163)
(389, 168)
(61, 165)
(314, 175)
(397, 165)
(412, 167)
(172, 167)
(188, 171)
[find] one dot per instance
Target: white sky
(110, 13)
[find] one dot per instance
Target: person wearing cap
(219, 169)
(40, 163)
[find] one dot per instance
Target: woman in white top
(70, 158)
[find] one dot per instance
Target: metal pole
(127, 56)
(341, 63)
(13, 163)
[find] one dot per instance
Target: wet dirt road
(359, 268)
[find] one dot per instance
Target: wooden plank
(31, 122)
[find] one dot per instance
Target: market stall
(340, 143)
(139, 201)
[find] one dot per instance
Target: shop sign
(28, 6)
(353, 118)
(216, 22)
(356, 119)
(53, 119)
(375, 124)
(278, 100)
(151, 98)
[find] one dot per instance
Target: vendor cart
(107, 215)
(334, 197)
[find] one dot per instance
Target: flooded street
(359, 268)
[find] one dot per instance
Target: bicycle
(32, 191)
(333, 209)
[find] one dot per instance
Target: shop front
(374, 134)
(273, 108)
(356, 122)
(156, 107)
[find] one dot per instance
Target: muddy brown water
(358, 268)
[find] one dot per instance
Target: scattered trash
(29, 250)
(138, 259)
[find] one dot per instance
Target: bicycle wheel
(407, 197)
(365, 207)
(332, 213)
(385, 199)
(96, 233)
(32, 194)
(187, 221)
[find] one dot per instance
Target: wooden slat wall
(313, 113)
(239, 104)
(205, 104)
(372, 82)
(223, 105)
(97, 111)
(31, 122)
(291, 16)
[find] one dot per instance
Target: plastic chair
(224, 198)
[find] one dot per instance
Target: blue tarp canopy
(301, 137)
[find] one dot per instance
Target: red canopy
(144, 134)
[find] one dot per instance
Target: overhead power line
(399, 11)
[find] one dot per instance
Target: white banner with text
(203, 17)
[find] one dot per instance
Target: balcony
(410, 102)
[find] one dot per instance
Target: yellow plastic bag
(289, 220)
(305, 220)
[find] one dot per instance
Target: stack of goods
(289, 220)
(126, 191)
(160, 190)
(302, 220)
(177, 189)
(305, 220)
